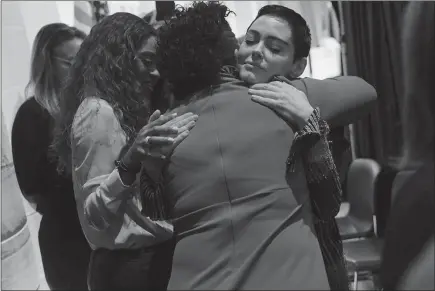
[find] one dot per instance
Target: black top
(36, 171)
(410, 225)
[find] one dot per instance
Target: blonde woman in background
(64, 250)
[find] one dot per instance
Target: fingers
(266, 87)
(153, 145)
(159, 141)
(275, 86)
(265, 101)
(181, 120)
(183, 123)
(259, 86)
(264, 93)
(161, 130)
(280, 85)
(281, 79)
(156, 114)
(161, 120)
(186, 127)
(180, 138)
(164, 133)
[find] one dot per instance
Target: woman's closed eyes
(271, 43)
(64, 61)
(148, 60)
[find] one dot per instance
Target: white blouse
(109, 211)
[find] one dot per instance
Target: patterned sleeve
(154, 204)
(321, 173)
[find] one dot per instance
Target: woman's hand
(288, 102)
(158, 138)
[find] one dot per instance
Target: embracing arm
(322, 177)
(342, 100)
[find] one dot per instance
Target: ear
(298, 68)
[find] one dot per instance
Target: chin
(248, 77)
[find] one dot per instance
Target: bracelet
(119, 164)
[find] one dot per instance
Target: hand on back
(159, 137)
(288, 102)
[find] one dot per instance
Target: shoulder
(353, 82)
(30, 107)
(336, 79)
(30, 115)
(93, 110)
(95, 116)
(96, 106)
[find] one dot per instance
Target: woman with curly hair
(104, 135)
(64, 250)
(246, 222)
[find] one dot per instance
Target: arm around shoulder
(358, 97)
(342, 100)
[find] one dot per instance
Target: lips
(252, 66)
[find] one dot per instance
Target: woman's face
(146, 60)
(266, 51)
(64, 54)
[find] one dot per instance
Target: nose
(154, 76)
(155, 73)
(257, 56)
(257, 53)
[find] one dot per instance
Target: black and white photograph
(217, 145)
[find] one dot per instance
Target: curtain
(372, 39)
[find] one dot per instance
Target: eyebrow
(269, 37)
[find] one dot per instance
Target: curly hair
(106, 67)
(191, 50)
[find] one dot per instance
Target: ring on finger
(147, 140)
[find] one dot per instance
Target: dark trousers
(65, 254)
(144, 269)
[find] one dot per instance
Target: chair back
(360, 186)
